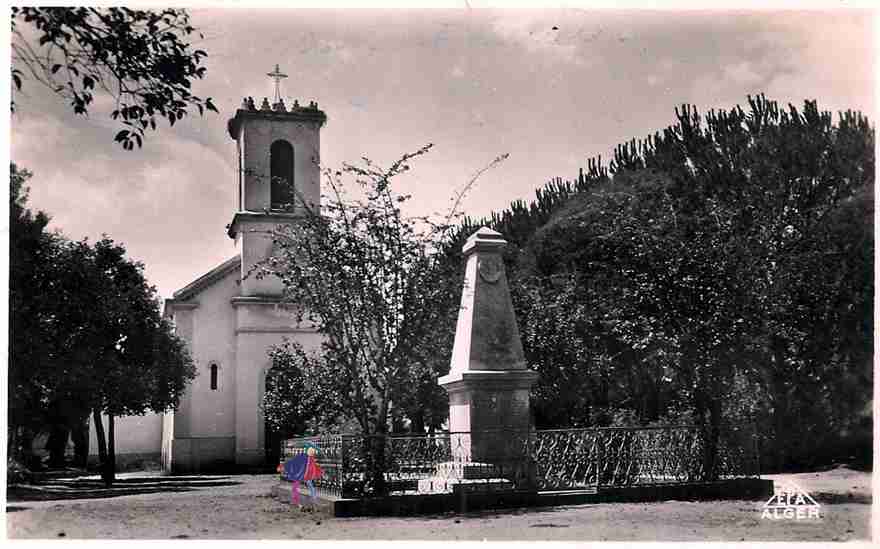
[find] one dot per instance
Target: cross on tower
(277, 75)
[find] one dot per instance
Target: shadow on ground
(828, 498)
(457, 516)
(93, 487)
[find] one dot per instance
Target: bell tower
(278, 182)
(278, 176)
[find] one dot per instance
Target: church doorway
(273, 446)
(272, 438)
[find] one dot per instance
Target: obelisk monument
(488, 381)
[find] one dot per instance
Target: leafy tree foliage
(720, 270)
(123, 356)
(87, 334)
(299, 397)
(31, 251)
(142, 58)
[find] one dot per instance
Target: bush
(17, 473)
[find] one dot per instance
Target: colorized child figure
(302, 468)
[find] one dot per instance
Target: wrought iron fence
(626, 456)
(559, 459)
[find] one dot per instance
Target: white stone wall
(210, 413)
(167, 440)
(135, 437)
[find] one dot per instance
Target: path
(246, 511)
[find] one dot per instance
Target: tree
(142, 58)
(376, 287)
(122, 355)
(570, 389)
(31, 260)
(717, 258)
(87, 337)
(300, 396)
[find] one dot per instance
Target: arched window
(214, 369)
(281, 173)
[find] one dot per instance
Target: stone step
(443, 485)
(466, 470)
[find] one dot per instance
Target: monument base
(456, 477)
(443, 485)
(489, 426)
(466, 470)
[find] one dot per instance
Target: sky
(550, 87)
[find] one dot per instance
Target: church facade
(230, 318)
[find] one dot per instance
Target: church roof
(207, 279)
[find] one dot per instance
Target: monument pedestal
(444, 485)
(455, 476)
(489, 426)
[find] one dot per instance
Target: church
(228, 319)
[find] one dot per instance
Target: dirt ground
(241, 507)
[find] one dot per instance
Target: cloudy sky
(551, 88)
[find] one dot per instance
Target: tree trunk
(396, 420)
(102, 441)
(80, 435)
(99, 434)
(701, 412)
(780, 407)
(27, 449)
(417, 422)
(109, 471)
(708, 414)
(780, 425)
(12, 443)
(713, 435)
(56, 444)
(376, 451)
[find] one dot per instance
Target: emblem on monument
(490, 268)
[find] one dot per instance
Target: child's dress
(302, 467)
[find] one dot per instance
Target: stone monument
(488, 381)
